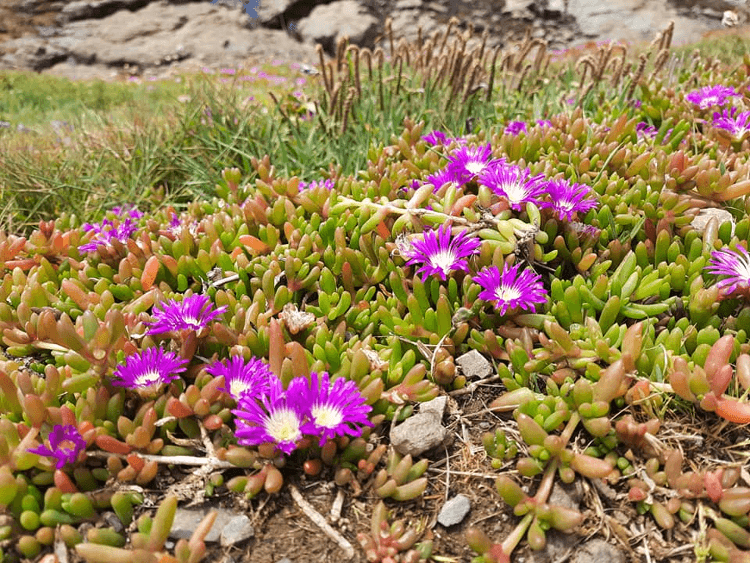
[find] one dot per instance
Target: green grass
(166, 143)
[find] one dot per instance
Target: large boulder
(327, 23)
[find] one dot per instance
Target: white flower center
(283, 425)
(147, 379)
(443, 260)
(711, 100)
(743, 268)
(327, 416)
(192, 321)
(514, 191)
(475, 166)
(238, 386)
(507, 294)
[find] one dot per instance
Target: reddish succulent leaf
(733, 410)
(112, 445)
(254, 243)
(150, 270)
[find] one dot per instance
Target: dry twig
(319, 521)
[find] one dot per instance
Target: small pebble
(454, 511)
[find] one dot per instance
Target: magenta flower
(129, 210)
(738, 125)
(334, 409)
(515, 127)
(510, 290)
(440, 254)
(440, 178)
(544, 123)
(276, 417)
(514, 183)
(105, 232)
(147, 370)
(65, 443)
(711, 96)
(327, 184)
(439, 138)
(436, 138)
(242, 378)
(567, 198)
(468, 162)
(192, 313)
(643, 130)
(735, 264)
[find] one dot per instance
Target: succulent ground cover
(295, 278)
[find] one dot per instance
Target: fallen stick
(319, 521)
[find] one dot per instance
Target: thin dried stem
(491, 84)
(321, 523)
(637, 76)
(328, 85)
(367, 55)
(347, 107)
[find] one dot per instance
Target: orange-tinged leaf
(112, 445)
(75, 293)
(733, 410)
(383, 231)
(462, 203)
(149, 273)
(254, 243)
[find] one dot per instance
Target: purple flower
(515, 127)
(735, 264)
(105, 232)
(436, 138)
(738, 125)
(327, 184)
(644, 130)
(440, 254)
(129, 210)
(192, 313)
(148, 370)
(440, 178)
(514, 183)
(711, 96)
(242, 378)
(439, 138)
(65, 443)
(510, 290)
(276, 417)
(567, 198)
(468, 162)
(544, 123)
(334, 409)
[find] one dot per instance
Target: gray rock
(158, 35)
(435, 407)
(31, 52)
(329, 22)
(82, 9)
(568, 496)
(598, 550)
(454, 511)
(701, 220)
(418, 434)
(237, 529)
(285, 560)
(474, 365)
(269, 10)
(185, 522)
(519, 7)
